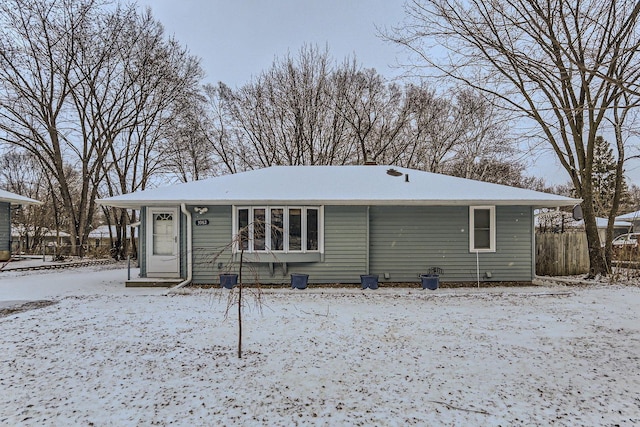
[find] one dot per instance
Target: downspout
(185, 282)
(533, 244)
(368, 252)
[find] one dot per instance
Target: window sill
(269, 257)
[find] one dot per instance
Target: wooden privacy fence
(561, 254)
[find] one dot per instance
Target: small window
(277, 229)
(243, 228)
(482, 229)
(295, 229)
(312, 229)
(259, 226)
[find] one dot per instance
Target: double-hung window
(482, 228)
(278, 228)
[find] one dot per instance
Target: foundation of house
(145, 282)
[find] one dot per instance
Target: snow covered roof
(338, 185)
(559, 217)
(102, 231)
(603, 222)
(7, 196)
(21, 230)
(631, 216)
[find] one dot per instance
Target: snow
(104, 231)
(9, 197)
(341, 185)
(58, 284)
(109, 355)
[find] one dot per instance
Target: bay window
(278, 229)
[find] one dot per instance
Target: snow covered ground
(109, 355)
(17, 286)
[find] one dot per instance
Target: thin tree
(237, 297)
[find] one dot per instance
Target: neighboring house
(335, 223)
(633, 218)
(8, 201)
(619, 227)
(22, 239)
(559, 222)
(101, 235)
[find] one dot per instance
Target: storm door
(162, 242)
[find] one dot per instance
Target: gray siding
(5, 226)
(211, 245)
(514, 241)
(403, 241)
(345, 255)
(407, 241)
(345, 247)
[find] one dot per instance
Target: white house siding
(407, 241)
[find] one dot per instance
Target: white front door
(162, 242)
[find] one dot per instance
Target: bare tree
(158, 82)
(561, 63)
(186, 150)
(89, 87)
(309, 110)
(21, 173)
(485, 138)
(286, 115)
(36, 71)
(436, 128)
(376, 113)
(56, 70)
(224, 137)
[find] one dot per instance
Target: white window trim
(234, 231)
(492, 229)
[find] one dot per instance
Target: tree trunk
(598, 264)
(240, 305)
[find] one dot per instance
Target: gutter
(185, 282)
(535, 203)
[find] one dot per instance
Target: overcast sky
(238, 39)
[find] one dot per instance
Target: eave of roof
(16, 199)
(631, 216)
(197, 202)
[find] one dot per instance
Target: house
(335, 223)
(559, 222)
(619, 227)
(8, 201)
(633, 218)
(23, 239)
(102, 235)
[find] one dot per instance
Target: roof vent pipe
(406, 177)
